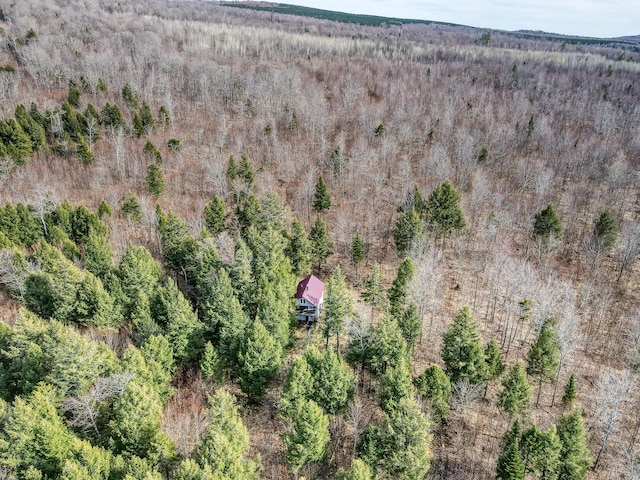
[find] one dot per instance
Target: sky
(590, 18)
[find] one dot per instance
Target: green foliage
(163, 115)
(260, 361)
(155, 180)
(387, 347)
(462, 351)
(83, 151)
(94, 306)
(299, 249)
(298, 387)
(214, 215)
(248, 212)
(403, 443)
(605, 228)
(358, 471)
(569, 391)
(173, 144)
(484, 39)
(333, 385)
(14, 142)
(309, 435)
(337, 305)
(31, 126)
(516, 393)
(111, 116)
(510, 464)
(73, 96)
(138, 273)
(492, 356)
(321, 247)
(232, 169)
(104, 210)
(442, 211)
(407, 230)
(574, 454)
(546, 223)
(373, 292)
(543, 357)
(245, 170)
(434, 386)
(178, 247)
(159, 358)
(399, 288)
(378, 131)
(82, 223)
(541, 451)
(143, 325)
(321, 197)
(357, 250)
(97, 255)
(148, 122)
(396, 383)
(130, 207)
(225, 444)
(410, 325)
(153, 151)
(173, 312)
(129, 96)
(19, 224)
(211, 365)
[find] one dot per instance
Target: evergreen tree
(434, 386)
(248, 212)
(442, 211)
(574, 454)
(462, 350)
(144, 326)
(83, 152)
(153, 152)
(211, 365)
(309, 435)
(178, 247)
(605, 228)
(214, 215)
(155, 180)
(298, 387)
(321, 247)
(492, 356)
(337, 306)
(260, 361)
(357, 251)
(510, 464)
(515, 394)
(410, 325)
(31, 127)
(130, 96)
(399, 288)
(546, 223)
(97, 255)
(112, 116)
(104, 210)
(321, 197)
(569, 391)
(406, 442)
(138, 273)
(14, 142)
(373, 292)
(163, 115)
(387, 347)
(148, 122)
(358, 471)
(232, 169)
(541, 451)
(407, 231)
(333, 385)
(130, 207)
(396, 383)
(245, 170)
(299, 249)
(543, 357)
(225, 444)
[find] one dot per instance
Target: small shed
(309, 298)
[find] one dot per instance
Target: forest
(170, 170)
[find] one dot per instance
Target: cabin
(309, 298)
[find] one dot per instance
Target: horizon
(585, 18)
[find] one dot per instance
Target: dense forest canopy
(169, 171)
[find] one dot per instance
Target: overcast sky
(592, 18)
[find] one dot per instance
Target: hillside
(170, 170)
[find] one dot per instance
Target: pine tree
(333, 385)
(321, 247)
(410, 325)
(104, 210)
(155, 180)
(574, 454)
(321, 198)
(148, 122)
(298, 387)
(543, 357)
(232, 169)
(299, 249)
(396, 383)
(442, 211)
(492, 356)
(358, 471)
(214, 215)
(434, 386)
(373, 292)
(97, 255)
(245, 170)
(399, 288)
(337, 306)
(211, 365)
(510, 464)
(260, 361)
(309, 435)
(546, 223)
(131, 208)
(387, 347)
(605, 228)
(515, 394)
(357, 251)
(407, 231)
(569, 391)
(138, 273)
(462, 350)
(541, 451)
(179, 249)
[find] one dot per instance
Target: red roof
(310, 289)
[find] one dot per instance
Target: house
(309, 297)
